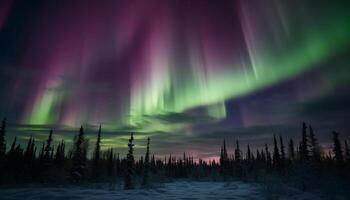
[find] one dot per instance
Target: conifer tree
(146, 164)
(276, 155)
(283, 155)
(60, 154)
(78, 157)
(48, 148)
(347, 151)
(304, 150)
(237, 152)
(110, 164)
(315, 149)
(291, 151)
(2, 139)
(268, 156)
(337, 149)
(96, 157)
(128, 183)
(249, 154)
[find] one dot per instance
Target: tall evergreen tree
(249, 154)
(2, 138)
(48, 148)
(128, 183)
(268, 156)
(96, 156)
(276, 155)
(347, 151)
(146, 164)
(223, 159)
(78, 157)
(60, 154)
(304, 147)
(337, 149)
(283, 155)
(237, 152)
(291, 151)
(315, 148)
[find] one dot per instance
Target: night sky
(187, 73)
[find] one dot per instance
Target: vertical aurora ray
(124, 63)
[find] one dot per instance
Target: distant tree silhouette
(291, 151)
(79, 157)
(304, 147)
(110, 165)
(249, 154)
(337, 149)
(315, 148)
(128, 183)
(268, 157)
(223, 159)
(146, 165)
(48, 149)
(2, 138)
(347, 151)
(60, 154)
(96, 156)
(238, 161)
(283, 156)
(237, 152)
(276, 155)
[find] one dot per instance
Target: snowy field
(174, 190)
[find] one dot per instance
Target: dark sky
(188, 73)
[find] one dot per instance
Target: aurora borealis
(182, 71)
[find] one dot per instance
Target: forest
(303, 164)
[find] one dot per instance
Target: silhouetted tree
(2, 148)
(291, 151)
(237, 152)
(268, 156)
(2, 139)
(315, 148)
(337, 149)
(146, 164)
(283, 155)
(249, 154)
(128, 183)
(223, 159)
(304, 150)
(276, 155)
(96, 157)
(60, 154)
(347, 151)
(79, 157)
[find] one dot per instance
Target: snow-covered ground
(174, 190)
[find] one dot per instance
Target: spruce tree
(78, 157)
(347, 151)
(60, 154)
(268, 156)
(146, 165)
(237, 152)
(315, 148)
(96, 157)
(283, 155)
(48, 148)
(249, 154)
(128, 183)
(337, 149)
(2, 139)
(304, 150)
(276, 155)
(291, 151)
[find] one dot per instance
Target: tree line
(54, 164)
